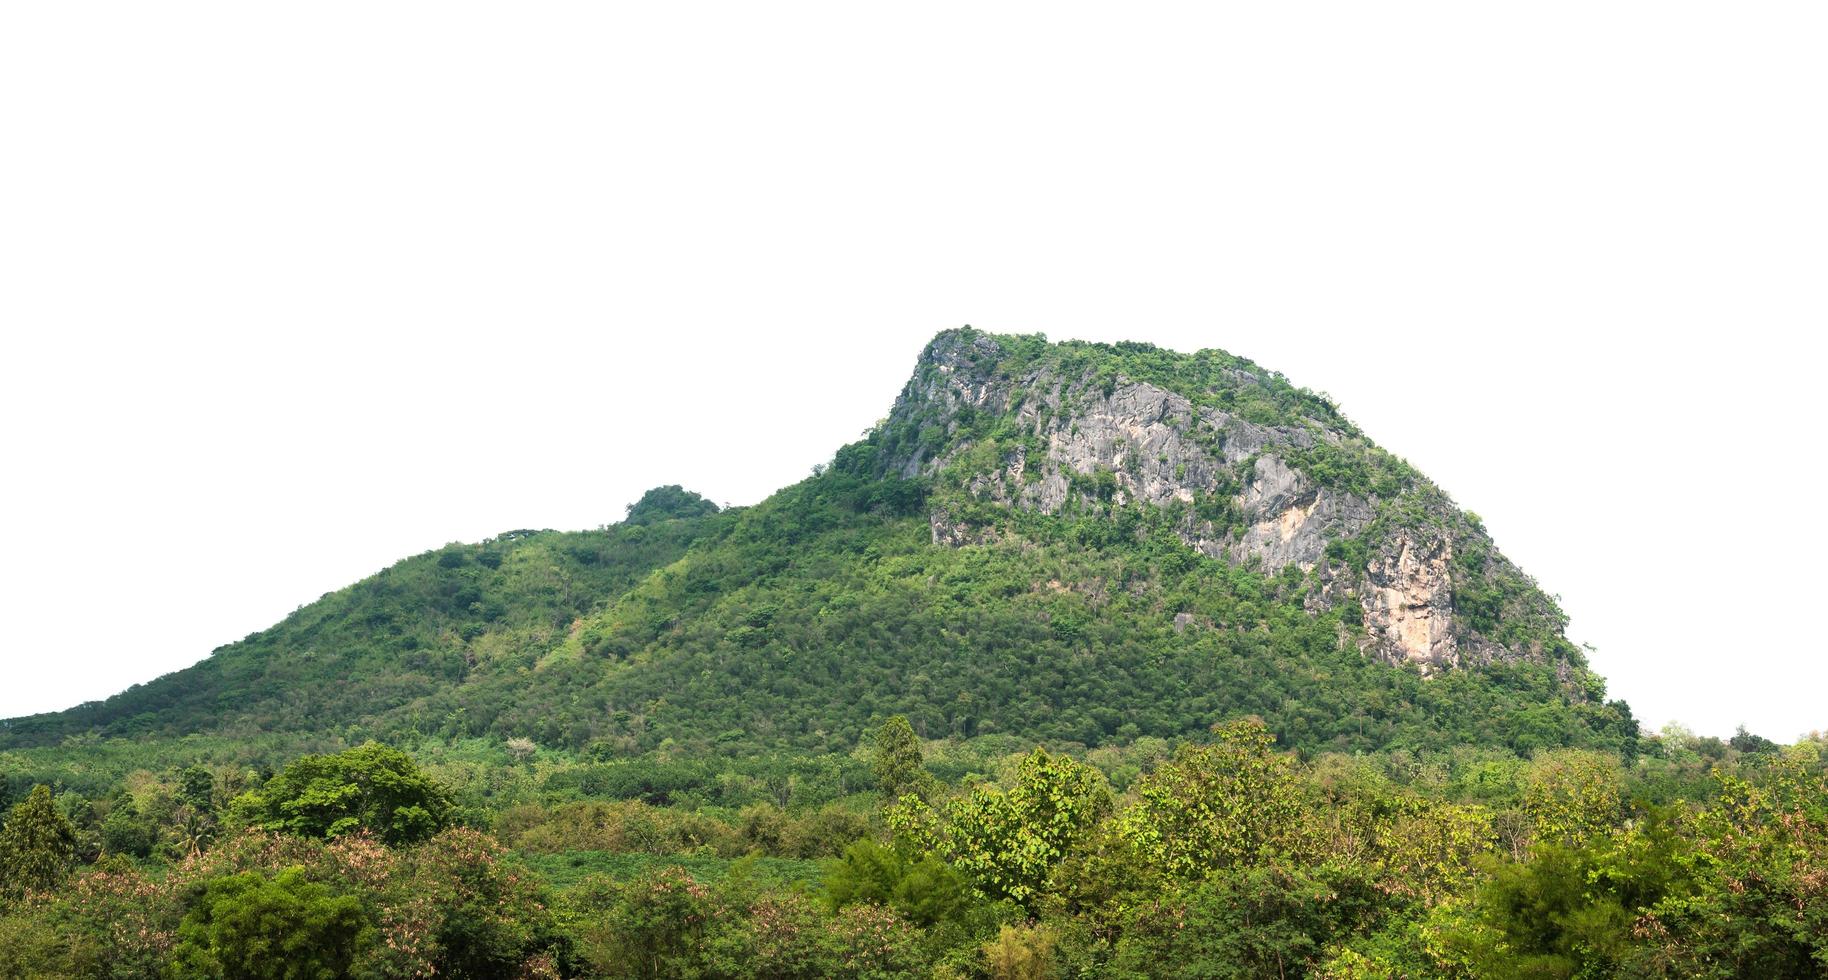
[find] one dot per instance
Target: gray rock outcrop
(1236, 485)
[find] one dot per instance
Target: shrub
(286, 928)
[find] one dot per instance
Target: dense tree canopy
(252, 927)
(1224, 855)
(370, 788)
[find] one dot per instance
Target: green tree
(1008, 842)
(1745, 741)
(251, 927)
(371, 787)
(37, 845)
(1547, 921)
(1243, 924)
(1758, 870)
(1572, 795)
(1216, 806)
(654, 926)
(490, 918)
(899, 768)
(924, 890)
(1021, 952)
(196, 789)
(667, 503)
(126, 830)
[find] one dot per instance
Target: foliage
(1756, 863)
(1215, 806)
(1020, 952)
(671, 502)
(898, 762)
(1260, 921)
(1006, 843)
(489, 916)
(37, 846)
(1571, 796)
(371, 788)
(653, 926)
(1218, 857)
(251, 927)
(924, 890)
(565, 871)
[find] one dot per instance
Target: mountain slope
(1072, 542)
(428, 623)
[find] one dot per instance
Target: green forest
(1222, 855)
(994, 692)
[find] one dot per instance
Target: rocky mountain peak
(1249, 469)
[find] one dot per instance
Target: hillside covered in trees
(1070, 542)
(1087, 661)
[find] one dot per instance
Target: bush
(1024, 952)
(924, 890)
(285, 928)
(487, 918)
(1259, 922)
(653, 926)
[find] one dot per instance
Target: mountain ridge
(1071, 542)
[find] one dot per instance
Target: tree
(1745, 741)
(1024, 952)
(666, 503)
(899, 768)
(371, 787)
(1572, 795)
(1215, 806)
(490, 918)
(196, 789)
(251, 927)
(924, 890)
(190, 829)
(126, 830)
(1759, 864)
(1008, 843)
(1547, 919)
(37, 845)
(1244, 923)
(652, 926)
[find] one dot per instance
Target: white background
(289, 292)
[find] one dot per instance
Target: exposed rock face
(1236, 484)
(1156, 447)
(1408, 603)
(1293, 521)
(954, 534)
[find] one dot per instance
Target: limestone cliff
(1251, 470)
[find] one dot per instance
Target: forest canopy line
(1223, 856)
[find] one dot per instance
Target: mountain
(1073, 542)
(390, 640)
